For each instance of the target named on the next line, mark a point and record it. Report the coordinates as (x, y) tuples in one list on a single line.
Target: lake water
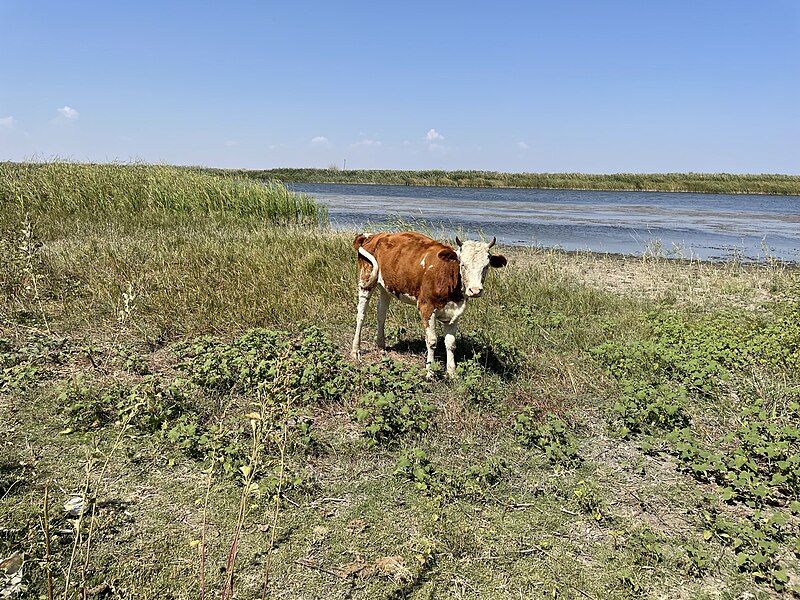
[(688, 225)]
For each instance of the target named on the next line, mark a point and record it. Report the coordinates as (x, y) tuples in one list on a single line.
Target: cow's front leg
[(363, 302), (450, 330), (429, 323)]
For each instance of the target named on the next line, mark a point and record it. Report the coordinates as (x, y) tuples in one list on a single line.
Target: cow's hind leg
[(429, 324), (383, 306), (364, 295), (450, 330)]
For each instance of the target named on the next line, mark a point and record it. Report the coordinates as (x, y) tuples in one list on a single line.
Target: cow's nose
[(475, 291)]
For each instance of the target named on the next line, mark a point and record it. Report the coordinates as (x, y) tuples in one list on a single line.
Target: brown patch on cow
[(447, 279), (399, 256), (425, 311), (364, 269), (448, 254)]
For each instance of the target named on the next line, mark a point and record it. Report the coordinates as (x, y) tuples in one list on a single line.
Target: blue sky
[(590, 86)]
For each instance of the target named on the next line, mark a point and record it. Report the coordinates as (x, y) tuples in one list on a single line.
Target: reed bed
[(56, 191), (714, 183)]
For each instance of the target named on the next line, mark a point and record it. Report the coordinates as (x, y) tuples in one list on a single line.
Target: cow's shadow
[(497, 358)]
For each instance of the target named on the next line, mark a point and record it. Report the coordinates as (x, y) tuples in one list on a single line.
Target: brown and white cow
[(417, 270)]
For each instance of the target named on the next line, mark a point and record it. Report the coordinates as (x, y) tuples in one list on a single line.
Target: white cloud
[(320, 140), (231, 143), (433, 136), (368, 142), (6, 122), (68, 113), (523, 146)]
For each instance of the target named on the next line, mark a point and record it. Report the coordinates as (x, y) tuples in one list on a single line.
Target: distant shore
[(706, 183)]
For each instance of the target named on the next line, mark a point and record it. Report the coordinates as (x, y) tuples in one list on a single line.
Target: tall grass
[(57, 191), (717, 183)]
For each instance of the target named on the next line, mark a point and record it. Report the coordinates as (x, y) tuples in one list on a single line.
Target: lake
[(687, 225)]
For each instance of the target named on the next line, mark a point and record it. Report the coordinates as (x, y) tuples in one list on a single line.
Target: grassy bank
[(59, 192), (715, 183), (619, 426)]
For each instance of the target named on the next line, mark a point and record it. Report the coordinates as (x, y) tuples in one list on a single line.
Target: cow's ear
[(497, 260), (447, 254)]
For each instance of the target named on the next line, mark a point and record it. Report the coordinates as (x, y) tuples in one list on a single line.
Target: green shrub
[(645, 408), (645, 360), (414, 466), (473, 482), (393, 403), (492, 354), (549, 434), (757, 462), (153, 403), (759, 544), (702, 353), (227, 444), (90, 405), (262, 360), (646, 548), (386, 417), (698, 559), (474, 385), (391, 376), (22, 365), (476, 480)]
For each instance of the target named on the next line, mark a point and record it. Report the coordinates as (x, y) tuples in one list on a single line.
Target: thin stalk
[(85, 564), (277, 508), (202, 574), (46, 531), (78, 525), (227, 589)]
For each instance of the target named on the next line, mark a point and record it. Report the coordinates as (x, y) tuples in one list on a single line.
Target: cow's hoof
[(355, 355)]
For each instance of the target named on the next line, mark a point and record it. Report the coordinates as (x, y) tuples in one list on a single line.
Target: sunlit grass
[(106, 272), (55, 191)]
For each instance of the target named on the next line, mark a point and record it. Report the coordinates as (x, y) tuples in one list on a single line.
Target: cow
[(432, 276)]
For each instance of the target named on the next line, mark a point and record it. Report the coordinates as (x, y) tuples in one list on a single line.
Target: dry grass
[(113, 290)]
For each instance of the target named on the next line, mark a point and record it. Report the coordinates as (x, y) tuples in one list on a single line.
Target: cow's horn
[(493, 242), (458, 242)]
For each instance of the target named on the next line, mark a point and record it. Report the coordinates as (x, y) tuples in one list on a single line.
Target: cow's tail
[(363, 253)]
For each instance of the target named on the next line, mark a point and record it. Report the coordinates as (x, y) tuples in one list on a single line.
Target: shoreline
[(530, 187), (616, 256)]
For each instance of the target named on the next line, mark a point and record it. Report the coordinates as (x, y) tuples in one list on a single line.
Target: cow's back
[(404, 259)]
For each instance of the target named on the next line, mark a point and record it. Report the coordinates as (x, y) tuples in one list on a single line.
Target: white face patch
[(474, 258)]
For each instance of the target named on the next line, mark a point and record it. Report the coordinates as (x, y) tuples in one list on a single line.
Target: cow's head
[(475, 262)]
